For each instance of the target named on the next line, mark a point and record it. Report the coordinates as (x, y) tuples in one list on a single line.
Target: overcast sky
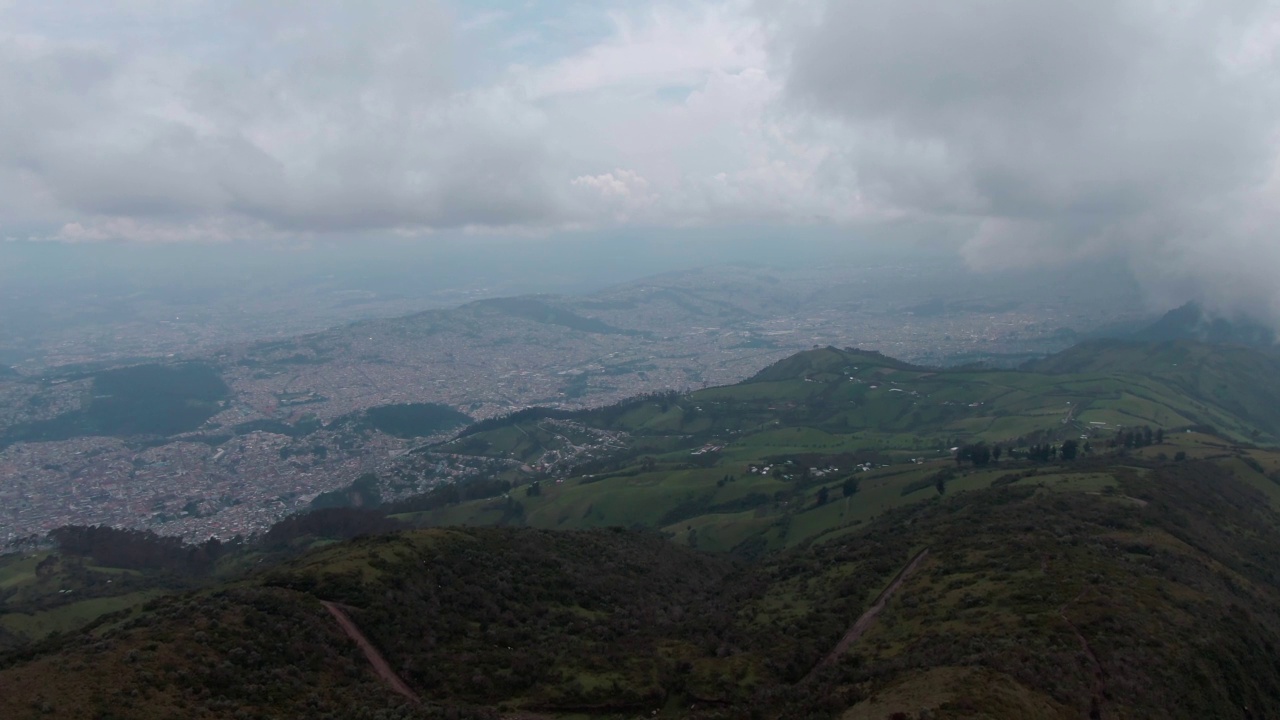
[(1041, 131)]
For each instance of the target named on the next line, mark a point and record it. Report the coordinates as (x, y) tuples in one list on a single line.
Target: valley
[(824, 539), (296, 417)]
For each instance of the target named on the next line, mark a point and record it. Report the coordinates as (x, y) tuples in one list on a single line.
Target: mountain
[(804, 544), (1191, 322)]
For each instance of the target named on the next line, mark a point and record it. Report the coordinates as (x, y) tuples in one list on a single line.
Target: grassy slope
[(837, 408), (67, 595), (1169, 577)]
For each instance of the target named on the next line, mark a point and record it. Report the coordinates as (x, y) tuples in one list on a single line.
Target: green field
[(68, 594), (65, 618), (824, 416)]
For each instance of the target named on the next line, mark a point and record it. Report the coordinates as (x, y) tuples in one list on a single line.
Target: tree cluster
[(1137, 438), (334, 523), (980, 454), (137, 549)]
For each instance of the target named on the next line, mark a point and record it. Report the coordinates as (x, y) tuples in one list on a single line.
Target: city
[(281, 437)]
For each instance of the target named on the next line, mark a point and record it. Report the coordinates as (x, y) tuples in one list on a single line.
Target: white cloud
[(624, 192), (348, 119), (1137, 128), (706, 129), (1053, 131), (335, 119), (657, 46)]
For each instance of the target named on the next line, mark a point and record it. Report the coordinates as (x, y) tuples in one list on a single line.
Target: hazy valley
[(284, 419)]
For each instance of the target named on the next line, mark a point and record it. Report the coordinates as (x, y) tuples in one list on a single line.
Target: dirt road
[(869, 617), (379, 663)]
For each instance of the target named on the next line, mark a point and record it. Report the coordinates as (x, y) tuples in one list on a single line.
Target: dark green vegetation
[(761, 464), (138, 400), (415, 419), (1152, 596), (1075, 568), (362, 492), (155, 400)]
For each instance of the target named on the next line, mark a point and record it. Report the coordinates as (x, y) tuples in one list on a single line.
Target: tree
[(1160, 436), (849, 486), (824, 495), (996, 452), (981, 454), (978, 454), (1069, 449)]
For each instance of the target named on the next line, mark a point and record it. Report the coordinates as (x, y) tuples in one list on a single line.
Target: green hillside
[(1152, 596), (1229, 387), (804, 544), (752, 463)]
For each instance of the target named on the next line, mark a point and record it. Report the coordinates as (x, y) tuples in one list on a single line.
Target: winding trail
[(378, 662), (869, 617)]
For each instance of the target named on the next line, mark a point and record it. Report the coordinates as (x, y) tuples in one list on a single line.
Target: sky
[(1027, 134)]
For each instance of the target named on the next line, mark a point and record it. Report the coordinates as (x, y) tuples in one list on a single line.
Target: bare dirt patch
[(378, 662)]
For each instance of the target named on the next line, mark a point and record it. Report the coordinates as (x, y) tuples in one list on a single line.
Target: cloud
[(1056, 130), (689, 98), (658, 46), (211, 119), (151, 120), (1042, 132), (302, 117), (625, 191)]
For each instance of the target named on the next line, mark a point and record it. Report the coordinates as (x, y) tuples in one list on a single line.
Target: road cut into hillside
[(378, 662), (868, 618)]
